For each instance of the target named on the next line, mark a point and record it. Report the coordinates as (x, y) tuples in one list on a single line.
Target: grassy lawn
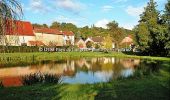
[(9, 59), (153, 87)]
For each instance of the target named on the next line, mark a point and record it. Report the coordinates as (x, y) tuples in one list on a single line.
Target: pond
[(83, 70)]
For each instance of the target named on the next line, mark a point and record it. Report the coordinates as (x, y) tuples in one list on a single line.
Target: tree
[(10, 10), (115, 32), (45, 25), (55, 25), (89, 44), (150, 34), (165, 22), (40, 25), (108, 42)]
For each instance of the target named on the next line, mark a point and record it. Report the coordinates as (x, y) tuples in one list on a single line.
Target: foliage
[(89, 44), (39, 25), (108, 42), (115, 32), (152, 36), (39, 77), (10, 10)]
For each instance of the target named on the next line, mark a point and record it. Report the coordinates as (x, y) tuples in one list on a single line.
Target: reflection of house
[(50, 37), (18, 33), (68, 37)]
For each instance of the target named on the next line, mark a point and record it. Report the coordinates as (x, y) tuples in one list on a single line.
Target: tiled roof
[(47, 30), (22, 28), (97, 39), (68, 33)]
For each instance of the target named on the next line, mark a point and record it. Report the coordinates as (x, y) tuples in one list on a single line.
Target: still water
[(83, 70)]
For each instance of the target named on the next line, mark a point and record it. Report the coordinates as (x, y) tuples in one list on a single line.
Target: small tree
[(89, 44), (108, 42)]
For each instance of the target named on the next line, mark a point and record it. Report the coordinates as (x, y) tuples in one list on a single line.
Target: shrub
[(40, 78)]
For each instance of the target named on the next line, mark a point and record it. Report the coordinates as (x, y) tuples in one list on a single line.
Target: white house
[(68, 37), (50, 37), (17, 33)]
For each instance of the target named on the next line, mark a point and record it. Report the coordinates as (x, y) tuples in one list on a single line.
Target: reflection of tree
[(147, 67)]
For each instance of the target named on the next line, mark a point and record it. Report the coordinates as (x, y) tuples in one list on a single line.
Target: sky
[(86, 12)]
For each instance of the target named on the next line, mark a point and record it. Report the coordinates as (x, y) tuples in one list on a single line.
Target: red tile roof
[(97, 39), (22, 28), (47, 30), (68, 33)]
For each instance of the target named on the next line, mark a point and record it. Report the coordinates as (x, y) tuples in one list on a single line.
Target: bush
[(12, 49), (40, 78)]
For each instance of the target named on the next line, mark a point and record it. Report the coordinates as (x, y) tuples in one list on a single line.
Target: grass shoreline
[(14, 59), (53, 55)]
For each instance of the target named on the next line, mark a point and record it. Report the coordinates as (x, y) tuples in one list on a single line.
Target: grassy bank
[(35, 57), (154, 87)]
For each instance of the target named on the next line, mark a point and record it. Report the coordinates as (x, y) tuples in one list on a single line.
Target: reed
[(40, 78)]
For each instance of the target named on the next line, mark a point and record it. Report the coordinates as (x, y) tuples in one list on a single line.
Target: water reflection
[(84, 70)]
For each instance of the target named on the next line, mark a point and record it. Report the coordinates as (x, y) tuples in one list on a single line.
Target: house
[(50, 37), (127, 42), (97, 42), (68, 37), (80, 43), (17, 33)]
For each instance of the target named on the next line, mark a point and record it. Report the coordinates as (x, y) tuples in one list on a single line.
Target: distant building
[(98, 41), (17, 33), (68, 37), (80, 43), (50, 37)]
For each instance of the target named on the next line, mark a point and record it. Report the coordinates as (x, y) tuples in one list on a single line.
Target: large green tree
[(150, 33), (165, 22)]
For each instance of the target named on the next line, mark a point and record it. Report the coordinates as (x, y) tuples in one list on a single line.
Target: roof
[(68, 33), (78, 40), (127, 39), (97, 39), (16, 27), (47, 30)]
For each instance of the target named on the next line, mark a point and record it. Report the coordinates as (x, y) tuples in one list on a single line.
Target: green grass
[(154, 87), (10, 59)]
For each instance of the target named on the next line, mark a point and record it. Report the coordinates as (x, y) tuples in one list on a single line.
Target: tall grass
[(40, 78)]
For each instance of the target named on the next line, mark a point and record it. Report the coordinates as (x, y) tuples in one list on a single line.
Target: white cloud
[(107, 8), (118, 1), (70, 5), (128, 25), (37, 6), (134, 11), (61, 19), (102, 23)]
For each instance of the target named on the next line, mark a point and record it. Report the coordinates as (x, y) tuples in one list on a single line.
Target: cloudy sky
[(86, 12)]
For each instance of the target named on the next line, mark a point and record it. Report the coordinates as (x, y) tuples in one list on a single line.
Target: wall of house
[(81, 42), (113, 45), (71, 38), (13, 40), (47, 38), (26, 39)]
